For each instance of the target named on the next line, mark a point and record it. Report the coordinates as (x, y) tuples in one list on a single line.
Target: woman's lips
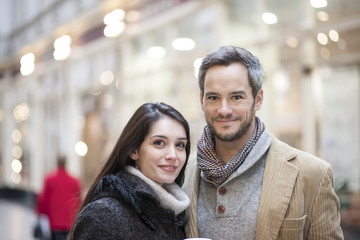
[(169, 168)]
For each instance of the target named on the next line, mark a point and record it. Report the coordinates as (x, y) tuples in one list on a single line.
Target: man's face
[(228, 103)]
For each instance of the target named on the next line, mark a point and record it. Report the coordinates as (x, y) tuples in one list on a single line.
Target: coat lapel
[(191, 187), (278, 183)]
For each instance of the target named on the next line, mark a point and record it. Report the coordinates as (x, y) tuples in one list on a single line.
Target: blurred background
[(73, 71)]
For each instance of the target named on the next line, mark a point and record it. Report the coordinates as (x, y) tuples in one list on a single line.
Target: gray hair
[(227, 55)]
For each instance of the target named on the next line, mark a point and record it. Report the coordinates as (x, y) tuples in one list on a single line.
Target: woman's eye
[(159, 143), (181, 145)]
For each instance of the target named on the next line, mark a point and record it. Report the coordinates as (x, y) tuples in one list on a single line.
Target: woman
[(137, 193)]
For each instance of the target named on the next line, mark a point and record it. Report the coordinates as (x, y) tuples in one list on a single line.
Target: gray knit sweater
[(229, 211)]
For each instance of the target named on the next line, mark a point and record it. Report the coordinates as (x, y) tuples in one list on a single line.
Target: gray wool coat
[(125, 207)]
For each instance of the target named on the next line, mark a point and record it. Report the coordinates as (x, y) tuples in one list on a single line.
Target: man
[(243, 182), (60, 200)]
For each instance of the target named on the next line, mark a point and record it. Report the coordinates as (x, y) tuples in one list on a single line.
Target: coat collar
[(278, 183)]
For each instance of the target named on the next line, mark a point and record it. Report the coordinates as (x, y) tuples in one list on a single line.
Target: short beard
[(235, 136), (231, 137)]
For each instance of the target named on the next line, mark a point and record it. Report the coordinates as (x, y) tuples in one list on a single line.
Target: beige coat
[(297, 199)]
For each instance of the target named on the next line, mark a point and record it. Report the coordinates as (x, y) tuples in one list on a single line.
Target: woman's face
[(162, 154)]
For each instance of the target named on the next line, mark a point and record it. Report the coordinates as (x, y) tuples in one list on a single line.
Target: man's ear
[(258, 100), (134, 155)]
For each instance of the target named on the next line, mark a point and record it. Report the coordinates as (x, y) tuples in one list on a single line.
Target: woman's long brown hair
[(131, 138)]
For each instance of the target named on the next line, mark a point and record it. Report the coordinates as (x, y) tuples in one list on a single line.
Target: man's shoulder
[(192, 174), (300, 158), (193, 155), (311, 169), (191, 165)]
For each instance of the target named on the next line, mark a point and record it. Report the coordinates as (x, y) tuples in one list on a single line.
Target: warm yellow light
[(114, 24), (17, 152), (27, 58), (107, 77), (292, 42), (62, 54), (27, 69), (81, 148), (322, 38), (114, 16), (334, 35), (114, 29), (21, 112), (269, 18), (62, 47), (322, 16), (27, 63), (64, 40), (156, 52), (318, 3), (1, 115), (16, 166), (183, 44), (16, 136)]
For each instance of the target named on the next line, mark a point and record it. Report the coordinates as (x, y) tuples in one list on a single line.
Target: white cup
[(197, 239)]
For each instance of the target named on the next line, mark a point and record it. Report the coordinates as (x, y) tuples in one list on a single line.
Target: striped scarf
[(215, 169)]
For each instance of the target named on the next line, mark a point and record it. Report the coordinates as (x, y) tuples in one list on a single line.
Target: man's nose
[(225, 108)]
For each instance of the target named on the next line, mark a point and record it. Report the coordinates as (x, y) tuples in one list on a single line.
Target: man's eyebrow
[(211, 93), (238, 92), (231, 93)]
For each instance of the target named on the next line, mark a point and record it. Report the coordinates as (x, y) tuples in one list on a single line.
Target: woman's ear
[(134, 155)]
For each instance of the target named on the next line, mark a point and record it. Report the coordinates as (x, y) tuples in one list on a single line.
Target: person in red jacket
[(60, 200)]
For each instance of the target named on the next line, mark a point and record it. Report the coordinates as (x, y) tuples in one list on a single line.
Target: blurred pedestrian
[(243, 182), (137, 193), (60, 200)]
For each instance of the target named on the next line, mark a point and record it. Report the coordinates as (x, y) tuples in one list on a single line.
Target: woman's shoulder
[(101, 208), (102, 219)]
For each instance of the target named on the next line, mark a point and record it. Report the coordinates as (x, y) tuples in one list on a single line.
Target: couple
[(241, 183)]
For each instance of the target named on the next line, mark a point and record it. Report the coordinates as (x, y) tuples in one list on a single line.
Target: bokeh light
[(81, 148), (16, 165), (16, 136)]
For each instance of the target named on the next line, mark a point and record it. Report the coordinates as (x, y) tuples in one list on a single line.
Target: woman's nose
[(171, 153)]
